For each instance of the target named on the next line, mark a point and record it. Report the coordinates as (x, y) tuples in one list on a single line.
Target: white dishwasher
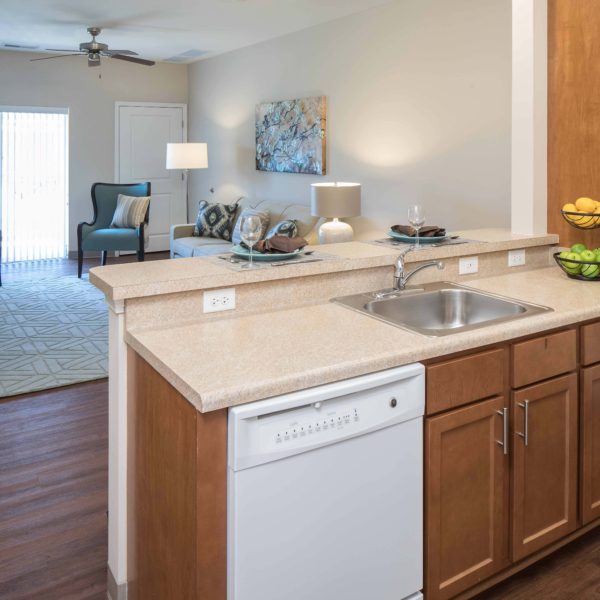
[(325, 491)]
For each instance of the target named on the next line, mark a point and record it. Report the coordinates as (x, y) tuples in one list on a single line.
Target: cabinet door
[(590, 444), (544, 474), (466, 498)]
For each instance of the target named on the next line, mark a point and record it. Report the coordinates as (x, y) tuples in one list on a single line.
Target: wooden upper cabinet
[(457, 382), (544, 473), (590, 444), (466, 498), (590, 344), (544, 357)]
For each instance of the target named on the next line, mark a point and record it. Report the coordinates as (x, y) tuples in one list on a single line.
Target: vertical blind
[(34, 190)]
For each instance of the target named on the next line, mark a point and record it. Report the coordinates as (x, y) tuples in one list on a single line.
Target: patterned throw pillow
[(264, 216), (287, 228), (215, 220), (130, 211)]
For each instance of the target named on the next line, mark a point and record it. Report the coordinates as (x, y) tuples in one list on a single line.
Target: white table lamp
[(335, 201), (186, 156)]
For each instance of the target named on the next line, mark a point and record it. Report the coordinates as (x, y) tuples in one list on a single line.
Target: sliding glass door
[(34, 183)]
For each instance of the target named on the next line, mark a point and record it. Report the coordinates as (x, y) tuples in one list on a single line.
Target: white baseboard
[(114, 591)]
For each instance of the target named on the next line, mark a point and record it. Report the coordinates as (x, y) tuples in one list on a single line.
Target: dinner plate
[(245, 253), (407, 239)]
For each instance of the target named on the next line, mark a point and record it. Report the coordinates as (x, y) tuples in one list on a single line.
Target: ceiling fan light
[(93, 60)]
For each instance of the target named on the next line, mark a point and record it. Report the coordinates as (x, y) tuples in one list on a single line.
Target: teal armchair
[(99, 236)]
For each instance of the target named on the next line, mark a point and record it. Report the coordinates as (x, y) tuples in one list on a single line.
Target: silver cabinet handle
[(504, 443), (525, 434)]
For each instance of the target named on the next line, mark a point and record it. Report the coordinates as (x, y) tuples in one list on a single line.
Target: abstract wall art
[(290, 136)]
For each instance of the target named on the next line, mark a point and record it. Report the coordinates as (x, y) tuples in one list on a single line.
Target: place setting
[(418, 235), (277, 251)]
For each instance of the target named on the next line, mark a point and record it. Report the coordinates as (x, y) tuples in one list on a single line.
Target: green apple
[(570, 267), (588, 255), (578, 248), (590, 271), (597, 253)]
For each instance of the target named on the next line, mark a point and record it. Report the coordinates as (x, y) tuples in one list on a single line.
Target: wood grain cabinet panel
[(590, 344), (544, 473), (466, 499), (590, 444), (544, 357), (177, 493), (457, 382)]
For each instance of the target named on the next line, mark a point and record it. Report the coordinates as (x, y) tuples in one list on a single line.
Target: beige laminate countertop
[(222, 363), (151, 278)]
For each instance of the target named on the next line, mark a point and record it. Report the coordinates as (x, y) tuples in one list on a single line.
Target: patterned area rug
[(53, 332)]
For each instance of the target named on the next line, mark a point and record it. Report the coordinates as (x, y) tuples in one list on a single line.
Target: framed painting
[(290, 136)]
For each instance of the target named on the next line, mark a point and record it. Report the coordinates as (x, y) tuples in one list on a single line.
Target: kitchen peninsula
[(177, 370)]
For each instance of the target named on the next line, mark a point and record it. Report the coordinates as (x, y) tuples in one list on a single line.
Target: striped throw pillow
[(130, 211)]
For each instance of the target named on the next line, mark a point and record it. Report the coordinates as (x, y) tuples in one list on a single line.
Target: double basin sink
[(441, 308)]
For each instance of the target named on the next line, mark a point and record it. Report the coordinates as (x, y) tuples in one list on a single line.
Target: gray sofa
[(184, 244)]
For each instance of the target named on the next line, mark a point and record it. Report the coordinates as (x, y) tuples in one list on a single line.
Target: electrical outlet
[(516, 258), (217, 300), (468, 265)]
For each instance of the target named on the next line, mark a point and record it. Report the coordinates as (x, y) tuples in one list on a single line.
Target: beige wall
[(419, 111), (70, 83)]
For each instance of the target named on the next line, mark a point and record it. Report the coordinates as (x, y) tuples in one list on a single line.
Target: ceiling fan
[(95, 50)]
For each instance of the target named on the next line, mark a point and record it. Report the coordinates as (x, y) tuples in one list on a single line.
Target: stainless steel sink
[(441, 308)]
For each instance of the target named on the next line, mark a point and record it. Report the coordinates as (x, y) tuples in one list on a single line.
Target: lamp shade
[(187, 156), (335, 200)]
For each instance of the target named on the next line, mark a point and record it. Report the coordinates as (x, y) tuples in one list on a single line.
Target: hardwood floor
[(53, 501), (571, 573), (54, 478)]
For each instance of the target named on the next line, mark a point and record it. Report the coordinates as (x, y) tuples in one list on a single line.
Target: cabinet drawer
[(544, 357), (590, 344), (466, 379)]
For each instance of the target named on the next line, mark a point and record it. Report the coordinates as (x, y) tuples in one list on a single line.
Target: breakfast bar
[(284, 335)]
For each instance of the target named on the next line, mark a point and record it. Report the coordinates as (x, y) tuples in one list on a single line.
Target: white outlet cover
[(468, 265), (219, 300), (516, 258)]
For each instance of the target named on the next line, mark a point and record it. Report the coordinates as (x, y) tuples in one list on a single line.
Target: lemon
[(569, 208), (585, 205)]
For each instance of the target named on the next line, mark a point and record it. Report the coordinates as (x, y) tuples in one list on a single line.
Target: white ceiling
[(162, 29)]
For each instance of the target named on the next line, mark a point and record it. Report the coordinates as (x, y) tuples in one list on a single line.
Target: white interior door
[(142, 136)]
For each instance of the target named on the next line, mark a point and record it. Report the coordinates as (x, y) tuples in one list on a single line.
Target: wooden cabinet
[(590, 444), (177, 492), (486, 510), (544, 470), (590, 344), (544, 357), (466, 500), (457, 382)]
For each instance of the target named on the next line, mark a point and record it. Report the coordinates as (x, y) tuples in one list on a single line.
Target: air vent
[(187, 56), (19, 47)]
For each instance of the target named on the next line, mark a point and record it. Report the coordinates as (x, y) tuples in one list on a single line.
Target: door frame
[(120, 103)]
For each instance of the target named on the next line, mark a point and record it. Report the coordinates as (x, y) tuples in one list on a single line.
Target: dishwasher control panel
[(302, 421), (331, 420)]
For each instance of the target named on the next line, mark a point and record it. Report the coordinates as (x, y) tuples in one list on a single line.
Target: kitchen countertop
[(226, 362), (137, 280)]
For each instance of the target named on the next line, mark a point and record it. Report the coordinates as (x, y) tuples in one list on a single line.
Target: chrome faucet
[(401, 278)]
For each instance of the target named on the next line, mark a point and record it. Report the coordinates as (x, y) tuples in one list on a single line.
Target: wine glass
[(250, 232), (416, 217)]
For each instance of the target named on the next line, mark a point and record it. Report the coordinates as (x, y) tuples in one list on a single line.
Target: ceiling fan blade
[(133, 59), (125, 52), (50, 57), (62, 50)]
